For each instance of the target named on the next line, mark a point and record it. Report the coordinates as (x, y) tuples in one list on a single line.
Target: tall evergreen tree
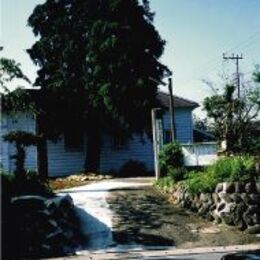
[(95, 58)]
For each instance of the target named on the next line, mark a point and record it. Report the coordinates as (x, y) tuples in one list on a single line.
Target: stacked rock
[(236, 204), (42, 227)]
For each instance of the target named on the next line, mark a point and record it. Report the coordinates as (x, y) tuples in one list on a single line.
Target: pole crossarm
[(236, 58)]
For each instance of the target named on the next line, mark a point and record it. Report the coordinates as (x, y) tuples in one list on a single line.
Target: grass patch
[(227, 169)]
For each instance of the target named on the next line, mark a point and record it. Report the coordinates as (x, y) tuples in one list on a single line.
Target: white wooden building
[(65, 158)]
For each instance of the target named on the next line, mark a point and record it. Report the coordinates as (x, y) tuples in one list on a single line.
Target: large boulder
[(229, 187), (254, 229), (251, 187), (43, 227), (219, 187), (28, 203)]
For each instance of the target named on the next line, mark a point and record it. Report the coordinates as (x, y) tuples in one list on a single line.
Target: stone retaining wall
[(234, 204)]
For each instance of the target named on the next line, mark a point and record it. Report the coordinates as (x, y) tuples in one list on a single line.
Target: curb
[(137, 254)]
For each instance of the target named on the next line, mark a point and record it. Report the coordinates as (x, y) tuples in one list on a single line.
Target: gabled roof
[(163, 99), (202, 136)]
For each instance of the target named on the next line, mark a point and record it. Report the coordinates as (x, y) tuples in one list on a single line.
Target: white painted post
[(157, 138)]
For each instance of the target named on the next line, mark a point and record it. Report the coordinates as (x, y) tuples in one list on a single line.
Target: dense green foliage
[(30, 185), (17, 100), (177, 174), (232, 118), (165, 182), (10, 70), (95, 59), (228, 169), (21, 139), (173, 176), (170, 157)]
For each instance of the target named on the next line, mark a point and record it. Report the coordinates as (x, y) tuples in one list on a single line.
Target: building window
[(119, 142), (73, 140)]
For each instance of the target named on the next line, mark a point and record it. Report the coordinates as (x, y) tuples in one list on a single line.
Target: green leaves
[(10, 70), (17, 100), (227, 169), (96, 56), (232, 118), (21, 137), (170, 157)]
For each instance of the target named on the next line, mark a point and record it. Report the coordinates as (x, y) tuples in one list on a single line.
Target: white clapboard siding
[(112, 158), (62, 161), (184, 125), (4, 152), (23, 122)]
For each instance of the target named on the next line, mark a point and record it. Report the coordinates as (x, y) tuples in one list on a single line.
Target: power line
[(212, 64)]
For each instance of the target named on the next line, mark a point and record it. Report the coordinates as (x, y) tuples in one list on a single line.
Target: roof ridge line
[(184, 99)]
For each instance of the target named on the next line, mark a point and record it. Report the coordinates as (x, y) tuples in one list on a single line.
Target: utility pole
[(172, 114), (229, 119), (237, 58), (171, 109)]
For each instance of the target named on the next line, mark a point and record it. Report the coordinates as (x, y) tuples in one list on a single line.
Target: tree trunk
[(20, 161), (93, 143), (42, 153)]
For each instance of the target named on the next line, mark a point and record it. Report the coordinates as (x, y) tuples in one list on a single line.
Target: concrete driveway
[(94, 212), (98, 226)]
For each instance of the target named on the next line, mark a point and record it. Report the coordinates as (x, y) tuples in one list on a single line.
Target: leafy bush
[(171, 156), (198, 182), (176, 174), (133, 168), (235, 168), (30, 185), (240, 168), (21, 139), (165, 182)]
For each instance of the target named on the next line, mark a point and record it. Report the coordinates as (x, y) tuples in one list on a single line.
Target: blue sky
[(197, 32)]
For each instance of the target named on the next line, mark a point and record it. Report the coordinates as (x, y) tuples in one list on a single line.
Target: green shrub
[(165, 182), (21, 139), (176, 174), (198, 182), (133, 168), (171, 156), (240, 168), (30, 185)]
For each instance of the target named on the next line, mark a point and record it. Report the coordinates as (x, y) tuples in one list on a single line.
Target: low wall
[(200, 154), (234, 204)]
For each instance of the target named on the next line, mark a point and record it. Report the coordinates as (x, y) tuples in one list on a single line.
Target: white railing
[(199, 154)]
